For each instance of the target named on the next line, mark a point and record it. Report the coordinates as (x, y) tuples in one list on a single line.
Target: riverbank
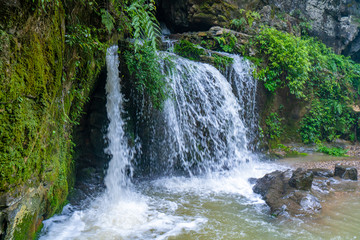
[(320, 160)]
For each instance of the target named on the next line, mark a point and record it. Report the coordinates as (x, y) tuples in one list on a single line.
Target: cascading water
[(245, 86), (119, 170), (205, 129)]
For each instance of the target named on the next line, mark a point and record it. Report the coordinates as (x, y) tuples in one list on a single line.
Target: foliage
[(144, 67), (107, 20), (84, 37), (188, 50), (326, 120), (338, 152), (42, 3), (287, 58), (238, 24), (313, 72), (252, 16), (273, 126), (227, 42), (247, 18), (146, 29), (304, 63)]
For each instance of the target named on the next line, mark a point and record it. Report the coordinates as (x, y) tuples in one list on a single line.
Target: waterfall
[(203, 131), (206, 126), (119, 170), (245, 86)]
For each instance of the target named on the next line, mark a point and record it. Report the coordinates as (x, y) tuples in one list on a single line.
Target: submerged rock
[(346, 172)]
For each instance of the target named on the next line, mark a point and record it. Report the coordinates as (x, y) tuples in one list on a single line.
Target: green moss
[(22, 228)]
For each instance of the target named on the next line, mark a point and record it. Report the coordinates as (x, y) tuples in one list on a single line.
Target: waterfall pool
[(215, 206)]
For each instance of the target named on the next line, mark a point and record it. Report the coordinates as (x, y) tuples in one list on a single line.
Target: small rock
[(301, 179), (346, 172)]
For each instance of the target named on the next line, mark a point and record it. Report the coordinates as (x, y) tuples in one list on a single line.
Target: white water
[(119, 171), (206, 127)]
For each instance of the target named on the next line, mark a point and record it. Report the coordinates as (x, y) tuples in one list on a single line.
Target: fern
[(107, 20), (146, 28)]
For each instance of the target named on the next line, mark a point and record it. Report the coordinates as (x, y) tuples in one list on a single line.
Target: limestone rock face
[(333, 21)]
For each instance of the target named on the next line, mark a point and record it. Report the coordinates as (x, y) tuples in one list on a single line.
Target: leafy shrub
[(144, 24), (338, 152), (248, 18), (326, 120), (287, 61), (273, 126), (144, 67), (84, 37), (107, 20), (227, 42)]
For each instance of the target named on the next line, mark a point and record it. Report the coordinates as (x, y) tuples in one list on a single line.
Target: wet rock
[(301, 179), (252, 180), (346, 172), (286, 193), (321, 172)]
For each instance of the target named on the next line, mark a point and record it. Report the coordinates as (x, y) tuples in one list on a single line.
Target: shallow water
[(215, 206)]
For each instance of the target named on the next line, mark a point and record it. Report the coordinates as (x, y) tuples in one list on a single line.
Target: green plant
[(84, 37), (252, 16), (287, 61), (248, 17), (338, 152), (227, 42), (144, 67), (107, 20), (273, 126), (188, 50), (326, 120), (238, 24), (146, 28)]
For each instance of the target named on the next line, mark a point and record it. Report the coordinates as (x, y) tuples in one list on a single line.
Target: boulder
[(301, 179), (286, 193), (346, 172)]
